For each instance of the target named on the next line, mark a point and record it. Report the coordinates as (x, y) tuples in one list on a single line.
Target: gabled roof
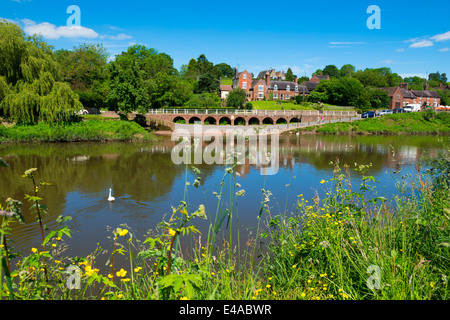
[(426, 93), (310, 85), (282, 85), (226, 87)]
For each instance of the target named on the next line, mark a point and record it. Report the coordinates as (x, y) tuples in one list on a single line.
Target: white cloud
[(420, 75), (422, 44), (388, 61), (50, 31), (400, 50), (120, 36), (441, 37), (444, 49)]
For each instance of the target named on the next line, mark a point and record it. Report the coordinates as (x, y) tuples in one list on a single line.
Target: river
[(146, 183)]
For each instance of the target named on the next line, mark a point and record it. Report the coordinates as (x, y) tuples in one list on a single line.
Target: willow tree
[(30, 86)]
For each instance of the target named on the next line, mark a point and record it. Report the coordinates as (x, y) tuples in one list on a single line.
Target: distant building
[(401, 96), (314, 81), (263, 88)]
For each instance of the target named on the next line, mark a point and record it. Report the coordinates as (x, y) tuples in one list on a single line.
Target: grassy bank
[(346, 243), (285, 105), (91, 130), (404, 123)]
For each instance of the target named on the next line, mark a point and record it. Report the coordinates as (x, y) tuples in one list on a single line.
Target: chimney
[(295, 79), (404, 85), (220, 80), (267, 76)]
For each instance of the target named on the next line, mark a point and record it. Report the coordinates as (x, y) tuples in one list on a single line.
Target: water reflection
[(146, 183)]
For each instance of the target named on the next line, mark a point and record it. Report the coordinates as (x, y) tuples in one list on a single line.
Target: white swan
[(110, 198)]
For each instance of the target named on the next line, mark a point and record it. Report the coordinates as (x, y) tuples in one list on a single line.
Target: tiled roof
[(226, 87), (310, 85)]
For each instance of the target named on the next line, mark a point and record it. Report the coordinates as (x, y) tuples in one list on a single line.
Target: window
[(288, 97), (398, 96), (244, 85), (275, 95), (260, 88), (244, 76), (288, 88), (260, 95), (275, 88), (296, 88)]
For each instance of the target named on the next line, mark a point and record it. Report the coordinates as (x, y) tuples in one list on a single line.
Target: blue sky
[(414, 38)]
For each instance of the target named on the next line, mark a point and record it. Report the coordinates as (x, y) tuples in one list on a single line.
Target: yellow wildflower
[(184, 298), (121, 273), (172, 232), (137, 269), (34, 250)]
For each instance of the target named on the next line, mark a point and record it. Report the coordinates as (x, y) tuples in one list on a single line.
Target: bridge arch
[(193, 120), (179, 120), (225, 120), (254, 121), (294, 120), (210, 120), (267, 120), (239, 121), (281, 121)]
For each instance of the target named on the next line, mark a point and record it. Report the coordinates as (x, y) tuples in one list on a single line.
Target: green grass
[(91, 130), (285, 105), (404, 123), (347, 244)]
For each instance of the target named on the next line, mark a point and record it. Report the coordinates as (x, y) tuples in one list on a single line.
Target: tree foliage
[(30, 86), (141, 78), (289, 75), (236, 98), (85, 68)]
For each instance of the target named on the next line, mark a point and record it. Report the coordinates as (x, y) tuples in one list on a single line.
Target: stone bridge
[(244, 117), (170, 117)]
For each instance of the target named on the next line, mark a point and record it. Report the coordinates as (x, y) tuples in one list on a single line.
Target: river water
[(146, 183)]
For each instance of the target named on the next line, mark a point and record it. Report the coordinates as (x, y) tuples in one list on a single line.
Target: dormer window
[(275, 88), (296, 88), (288, 88)]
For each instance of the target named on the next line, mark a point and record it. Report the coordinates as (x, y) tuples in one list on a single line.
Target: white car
[(83, 112), (385, 112)]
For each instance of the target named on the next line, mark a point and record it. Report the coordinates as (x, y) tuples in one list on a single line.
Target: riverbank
[(90, 130), (395, 124)]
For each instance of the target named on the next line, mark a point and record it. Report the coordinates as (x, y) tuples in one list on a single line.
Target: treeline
[(366, 89), (38, 83)]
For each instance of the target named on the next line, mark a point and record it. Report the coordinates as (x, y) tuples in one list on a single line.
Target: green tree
[(140, 79), (224, 70), (347, 70), (208, 82), (236, 98), (436, 76), (30, 86), (371, 78), (85, 68), (204, 100), (302, 79), (289, 75), (379, 99), (332, 71)]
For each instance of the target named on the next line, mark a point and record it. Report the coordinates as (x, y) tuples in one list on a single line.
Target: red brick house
[(401, 96), (317, 78)]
